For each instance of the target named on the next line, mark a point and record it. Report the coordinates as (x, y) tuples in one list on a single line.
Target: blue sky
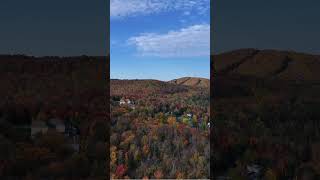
[(159, 39)]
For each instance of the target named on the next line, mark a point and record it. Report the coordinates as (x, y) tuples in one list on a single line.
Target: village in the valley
[(187, 117)]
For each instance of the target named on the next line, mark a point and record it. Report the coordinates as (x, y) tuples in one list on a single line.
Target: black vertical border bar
[(211, 89), (107, 89)]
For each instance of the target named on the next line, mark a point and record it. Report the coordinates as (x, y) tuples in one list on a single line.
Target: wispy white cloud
[(125, 8), (191, 41)]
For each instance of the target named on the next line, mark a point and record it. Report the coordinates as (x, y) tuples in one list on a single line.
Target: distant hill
[(192, 81), (268, 64), (143, 87), (241, 72)]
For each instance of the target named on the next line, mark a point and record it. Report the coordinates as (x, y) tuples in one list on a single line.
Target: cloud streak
[(128, 8), (192, 41)]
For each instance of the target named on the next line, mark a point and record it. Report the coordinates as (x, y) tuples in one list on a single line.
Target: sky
[(159, 39), (54, 27), (78, 27), (266, 24)]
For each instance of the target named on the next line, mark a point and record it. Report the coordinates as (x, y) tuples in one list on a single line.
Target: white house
[(122, 101), (125, 101)]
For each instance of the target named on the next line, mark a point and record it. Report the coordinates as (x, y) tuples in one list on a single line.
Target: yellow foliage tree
[(172, 120), (113, 157)]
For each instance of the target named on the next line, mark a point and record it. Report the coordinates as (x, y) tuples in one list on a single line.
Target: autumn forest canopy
[(265, 114), (159, 129)]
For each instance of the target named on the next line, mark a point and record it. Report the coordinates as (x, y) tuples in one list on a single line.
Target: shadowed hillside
[(269, 64), (280, 72), (266, 114)]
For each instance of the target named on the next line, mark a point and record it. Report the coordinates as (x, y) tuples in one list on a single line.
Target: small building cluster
[(125, 101), (66, 128), (128, 102)]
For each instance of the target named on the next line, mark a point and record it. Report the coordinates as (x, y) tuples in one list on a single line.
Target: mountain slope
[(268, 64), (143, 87), (192, 81), (245, 72)]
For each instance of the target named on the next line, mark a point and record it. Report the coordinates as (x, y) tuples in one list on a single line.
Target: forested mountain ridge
[(266, 114), (192, 81), (148, 86), (281, 72), (268, 64)]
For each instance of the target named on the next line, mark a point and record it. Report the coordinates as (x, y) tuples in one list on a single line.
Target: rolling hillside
[(192, 81), (149, 86), (281, 72), (265, 108), (143, 87), (269, 64)]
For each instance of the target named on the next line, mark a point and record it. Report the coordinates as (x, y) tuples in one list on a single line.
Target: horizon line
[(159, 79), (211, 53)]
